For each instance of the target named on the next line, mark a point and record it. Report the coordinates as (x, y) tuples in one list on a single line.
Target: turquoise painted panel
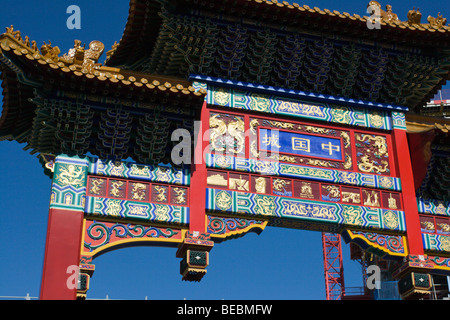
[(149, 212), (299, 108), (249, 204), (435, 242)]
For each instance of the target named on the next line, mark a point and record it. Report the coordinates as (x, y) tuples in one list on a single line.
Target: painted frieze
[(69, 183), (306, 109), (302, 172), (132, 170), (383, 245), (99, 236), (268, 207)]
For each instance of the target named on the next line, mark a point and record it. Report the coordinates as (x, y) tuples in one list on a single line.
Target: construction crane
[(333, 265)]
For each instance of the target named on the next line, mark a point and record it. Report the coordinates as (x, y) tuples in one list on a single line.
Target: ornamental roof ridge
[(83, 62), (146, 17)]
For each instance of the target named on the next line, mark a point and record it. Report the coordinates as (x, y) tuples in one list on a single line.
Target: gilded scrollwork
[(223, 200), (259, 103), (317, 130), (348, 162)]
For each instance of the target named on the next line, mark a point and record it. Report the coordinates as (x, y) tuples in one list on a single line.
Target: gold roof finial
[(414, 16), (438, 22)]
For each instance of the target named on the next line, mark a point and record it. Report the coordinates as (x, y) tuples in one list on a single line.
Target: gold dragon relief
[(352, 215), (259, 102), (180, 197), (391, 220), (227, 136), (265, 205), (373, 153), (70, 175)]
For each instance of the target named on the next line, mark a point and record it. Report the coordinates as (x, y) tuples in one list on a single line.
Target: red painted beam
[(197, 214), (413, 232), (62, 251)]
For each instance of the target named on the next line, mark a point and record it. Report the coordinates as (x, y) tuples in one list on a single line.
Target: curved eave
[(144, 22), (20, 58), (23, 70)]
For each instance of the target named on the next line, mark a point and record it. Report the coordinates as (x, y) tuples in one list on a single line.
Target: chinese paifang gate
[(315, 121)]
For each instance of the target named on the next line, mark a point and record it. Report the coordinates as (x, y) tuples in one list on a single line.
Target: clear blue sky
[(278, 264)]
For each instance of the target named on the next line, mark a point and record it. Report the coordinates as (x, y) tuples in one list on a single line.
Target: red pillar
[(197, 219), (414, 234), (62, 250)]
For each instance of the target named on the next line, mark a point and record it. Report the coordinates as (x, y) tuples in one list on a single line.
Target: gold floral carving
[(392, 203), (279, 184), (372, 199), (319, 163), (316, 130), (306, 190), (376, 119), (341, 114), (346, 138), (259, 103), (260, 185), (348, 162), (351, 196), (284, 125), (445, 243), (428, 225), (113, 208), (239, 184), (445, 227)]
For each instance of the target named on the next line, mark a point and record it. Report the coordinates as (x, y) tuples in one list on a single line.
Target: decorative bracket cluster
[(195, 254)]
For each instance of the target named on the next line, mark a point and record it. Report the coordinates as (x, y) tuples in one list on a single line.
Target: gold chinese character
[(273, 140), (330, 148), (301, 144)]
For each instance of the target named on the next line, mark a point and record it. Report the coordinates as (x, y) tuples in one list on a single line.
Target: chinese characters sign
[(301, 144)]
